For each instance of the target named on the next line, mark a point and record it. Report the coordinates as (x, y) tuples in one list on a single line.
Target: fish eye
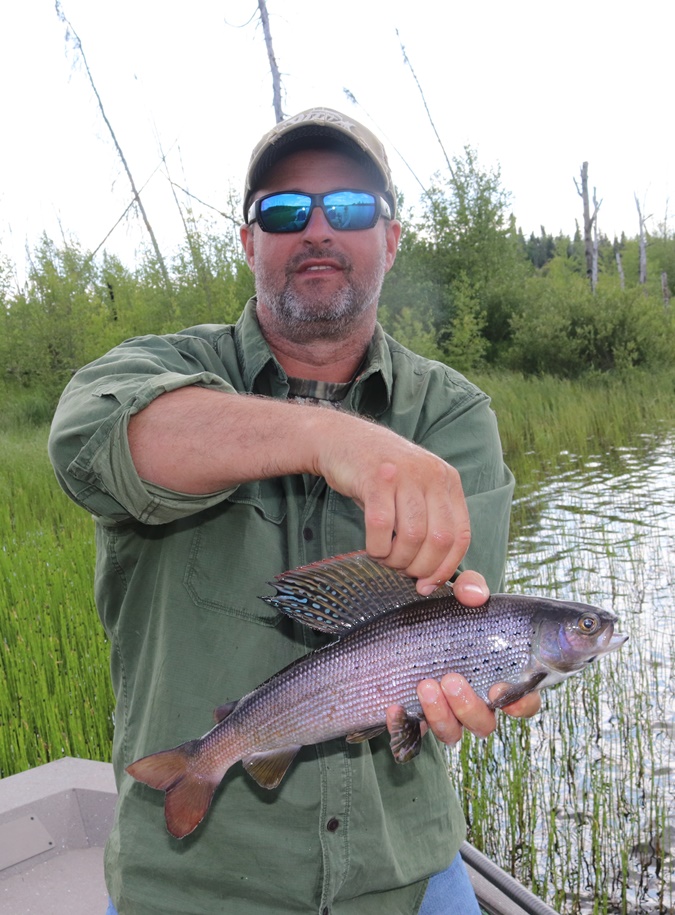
[(588, 624)]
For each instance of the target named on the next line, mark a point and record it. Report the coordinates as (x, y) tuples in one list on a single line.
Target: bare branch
[(276, 77), (352, 98), (431, 121), (72, 35), (643, 242)]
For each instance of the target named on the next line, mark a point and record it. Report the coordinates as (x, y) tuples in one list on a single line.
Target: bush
[(565, 330)]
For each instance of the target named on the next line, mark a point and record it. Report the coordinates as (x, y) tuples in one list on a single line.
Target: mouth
[(314, 267)]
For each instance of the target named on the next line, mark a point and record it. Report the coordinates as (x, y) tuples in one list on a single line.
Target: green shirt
[(348, 831)]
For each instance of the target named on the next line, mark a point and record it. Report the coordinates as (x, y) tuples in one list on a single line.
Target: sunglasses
[(346, 211)]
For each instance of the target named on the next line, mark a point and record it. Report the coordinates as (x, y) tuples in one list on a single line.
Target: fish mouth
[(617, 640)]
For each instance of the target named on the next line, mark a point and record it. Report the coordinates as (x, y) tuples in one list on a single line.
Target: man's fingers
[(379, 512), (438, 715), (467, 707), (471, 589)]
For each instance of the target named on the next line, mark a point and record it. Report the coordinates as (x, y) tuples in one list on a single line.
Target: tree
[(590, 226), (643, 242), (473, 247)]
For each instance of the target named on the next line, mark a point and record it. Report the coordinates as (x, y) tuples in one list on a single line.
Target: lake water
[(598, 764)]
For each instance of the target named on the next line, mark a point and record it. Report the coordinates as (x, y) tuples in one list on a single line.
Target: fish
[(387, 638)]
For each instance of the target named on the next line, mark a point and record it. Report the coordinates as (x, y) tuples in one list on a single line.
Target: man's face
[(319, 283)]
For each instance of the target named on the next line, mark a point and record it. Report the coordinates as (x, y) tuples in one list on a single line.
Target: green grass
[(542, 417), (55, 695)]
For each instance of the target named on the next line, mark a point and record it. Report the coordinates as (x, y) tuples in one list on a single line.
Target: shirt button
[(308, 533), (332, 824)]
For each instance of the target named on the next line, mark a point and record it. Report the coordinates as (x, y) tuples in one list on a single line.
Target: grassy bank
[(542, 417)]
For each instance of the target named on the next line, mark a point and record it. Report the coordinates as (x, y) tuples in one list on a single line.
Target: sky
[(536, 89)]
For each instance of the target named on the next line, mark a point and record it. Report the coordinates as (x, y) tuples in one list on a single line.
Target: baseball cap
[(319, 127)]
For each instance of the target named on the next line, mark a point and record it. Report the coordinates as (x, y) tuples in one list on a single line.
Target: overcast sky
[(535, 88)]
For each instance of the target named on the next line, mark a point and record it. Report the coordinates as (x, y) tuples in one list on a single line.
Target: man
[(214, 459)]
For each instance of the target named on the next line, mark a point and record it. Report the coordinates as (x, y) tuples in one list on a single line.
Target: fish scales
[(349, 685), (388, 639)]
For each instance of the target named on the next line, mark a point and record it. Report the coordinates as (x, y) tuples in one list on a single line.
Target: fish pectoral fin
[(514, 691), (366, 734), (268, 768), (406, 737)]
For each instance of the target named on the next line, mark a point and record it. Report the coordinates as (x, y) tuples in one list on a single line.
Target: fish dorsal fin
[(339, 594), (269, 768)]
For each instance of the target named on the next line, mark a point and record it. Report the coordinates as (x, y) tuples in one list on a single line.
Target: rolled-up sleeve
[(88, 443)]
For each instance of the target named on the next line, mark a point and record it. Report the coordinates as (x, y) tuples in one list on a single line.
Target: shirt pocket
[(237, 547)]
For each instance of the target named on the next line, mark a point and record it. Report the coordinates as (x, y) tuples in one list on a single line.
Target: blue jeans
[(448, 893)]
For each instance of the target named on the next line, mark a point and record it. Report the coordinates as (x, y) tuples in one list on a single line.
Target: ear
[(246, 236), (393, 235)]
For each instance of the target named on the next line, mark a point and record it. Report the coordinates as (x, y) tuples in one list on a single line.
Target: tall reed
[(541, 417), (55, 695)]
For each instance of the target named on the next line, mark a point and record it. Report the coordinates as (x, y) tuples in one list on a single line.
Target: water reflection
[(602, 530)]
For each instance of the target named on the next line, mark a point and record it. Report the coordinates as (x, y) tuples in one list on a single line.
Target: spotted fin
[(406, 736), (267, 769), (344, 592)]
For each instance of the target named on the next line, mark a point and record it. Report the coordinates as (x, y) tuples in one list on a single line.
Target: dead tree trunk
[(596, 243), (136, 194), (619, 267), (643, 243), (276, 77), (589, 222), (665, 290)]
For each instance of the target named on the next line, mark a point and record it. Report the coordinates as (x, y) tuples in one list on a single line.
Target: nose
[(318, 230)]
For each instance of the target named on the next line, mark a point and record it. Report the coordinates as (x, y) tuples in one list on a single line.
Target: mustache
[(296, 262)]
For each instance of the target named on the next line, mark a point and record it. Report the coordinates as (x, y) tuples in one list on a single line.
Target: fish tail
[(188, 785)]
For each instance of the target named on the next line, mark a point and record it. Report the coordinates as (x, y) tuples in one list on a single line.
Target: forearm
[(195, 440)]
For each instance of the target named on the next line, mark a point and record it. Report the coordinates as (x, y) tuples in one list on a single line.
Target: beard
[(322, 313)]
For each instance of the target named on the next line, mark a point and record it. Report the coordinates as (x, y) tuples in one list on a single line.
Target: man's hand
[(414, 508), (450, 705)]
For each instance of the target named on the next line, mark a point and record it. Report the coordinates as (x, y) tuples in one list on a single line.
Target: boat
[(54, 821)]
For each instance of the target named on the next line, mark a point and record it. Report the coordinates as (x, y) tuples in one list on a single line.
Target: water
[(595, 832)]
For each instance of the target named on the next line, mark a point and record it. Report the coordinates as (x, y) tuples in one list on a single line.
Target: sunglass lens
[(350, 210), (285, 212)]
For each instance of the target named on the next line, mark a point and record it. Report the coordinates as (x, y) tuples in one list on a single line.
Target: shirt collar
[(370, 394)]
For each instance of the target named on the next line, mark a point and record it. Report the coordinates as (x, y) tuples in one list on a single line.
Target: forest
[(468, 288)]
